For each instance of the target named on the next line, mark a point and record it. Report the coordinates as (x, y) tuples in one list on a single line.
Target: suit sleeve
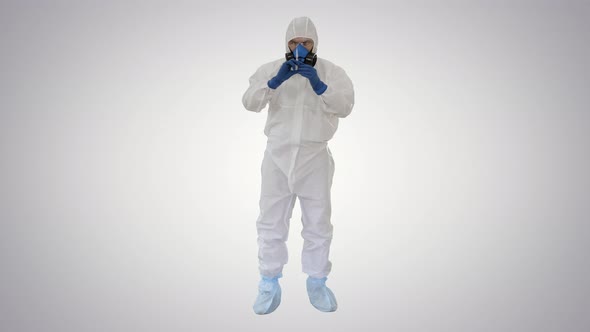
[(258, 94), (339, 96)]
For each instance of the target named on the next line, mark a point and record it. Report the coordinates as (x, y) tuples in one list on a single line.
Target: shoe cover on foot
[(269, 295), (320, 296)]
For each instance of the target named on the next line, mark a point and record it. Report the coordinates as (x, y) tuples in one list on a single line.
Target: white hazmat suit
[(297, 162)]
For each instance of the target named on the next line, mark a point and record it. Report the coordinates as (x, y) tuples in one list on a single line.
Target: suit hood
[(301, 27)]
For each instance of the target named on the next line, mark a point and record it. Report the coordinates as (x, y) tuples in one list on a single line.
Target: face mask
[(300, 52), (303, 55)]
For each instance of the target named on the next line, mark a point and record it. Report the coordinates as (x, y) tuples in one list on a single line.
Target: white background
[(130, 171)]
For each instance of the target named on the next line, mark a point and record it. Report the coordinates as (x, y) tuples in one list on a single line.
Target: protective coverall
[(297, 162)]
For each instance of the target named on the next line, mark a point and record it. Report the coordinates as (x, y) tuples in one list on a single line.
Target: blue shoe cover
[(320, 296), (269, 295)]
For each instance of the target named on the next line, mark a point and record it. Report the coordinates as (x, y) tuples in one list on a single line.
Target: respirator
[(302, 54)]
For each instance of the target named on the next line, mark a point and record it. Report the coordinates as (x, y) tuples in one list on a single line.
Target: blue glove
[(285, 72), (310, 73)]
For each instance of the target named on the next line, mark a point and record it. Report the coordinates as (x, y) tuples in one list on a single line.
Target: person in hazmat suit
[(306, 96)]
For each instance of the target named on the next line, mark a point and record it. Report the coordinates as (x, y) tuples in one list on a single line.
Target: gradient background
[(130, 171)]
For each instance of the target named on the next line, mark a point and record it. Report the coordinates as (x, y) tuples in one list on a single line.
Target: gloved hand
[(311, 73), (284, 74)]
